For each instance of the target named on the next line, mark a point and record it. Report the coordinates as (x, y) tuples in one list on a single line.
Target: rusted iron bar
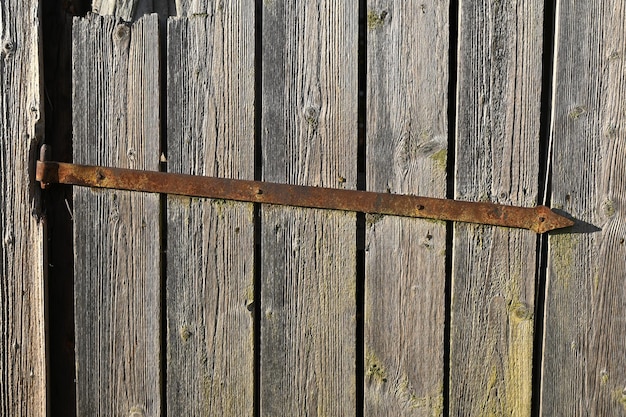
[(539, 219)]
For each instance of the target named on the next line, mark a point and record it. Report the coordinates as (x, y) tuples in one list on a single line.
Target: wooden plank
[(497, 151), (210, 262), (131, 10), (22, 312), (585, 320), (407, 139), (309, 137), (116, 234)]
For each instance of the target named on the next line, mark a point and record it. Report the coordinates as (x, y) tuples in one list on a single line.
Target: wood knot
[(8, 48), (121, 34), (608, 208), (311, 115), (522, 311)]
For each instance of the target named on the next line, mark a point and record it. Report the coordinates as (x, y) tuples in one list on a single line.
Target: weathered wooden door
[(190, 306)]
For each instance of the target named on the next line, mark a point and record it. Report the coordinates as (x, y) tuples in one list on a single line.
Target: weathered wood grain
[(407, 138), (497, 152), (309, 137), (210, 276), (200, 7), (585, 317), (131, 10), (22, 312), (116, 234)]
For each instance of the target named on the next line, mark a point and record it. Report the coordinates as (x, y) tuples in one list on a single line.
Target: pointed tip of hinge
[(548, 220)]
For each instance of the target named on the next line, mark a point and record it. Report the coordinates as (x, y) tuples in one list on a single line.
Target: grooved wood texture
[(497, 151), (309, 137), (585, 314), (22, 312), (116, 233), (407, 140), (210, 281), (130, 10)]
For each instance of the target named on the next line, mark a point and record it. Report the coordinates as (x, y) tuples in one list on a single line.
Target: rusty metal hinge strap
[(539, 219)]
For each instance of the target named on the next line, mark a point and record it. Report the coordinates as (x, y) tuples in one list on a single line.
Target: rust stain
[(539, 219)]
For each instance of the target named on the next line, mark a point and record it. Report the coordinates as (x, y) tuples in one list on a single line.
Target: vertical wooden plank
[(210, 276), (116, 234), (22, 312), (407, 139), (585, 319), (498, 108), (131, 10), (135, 9), (309, 136)]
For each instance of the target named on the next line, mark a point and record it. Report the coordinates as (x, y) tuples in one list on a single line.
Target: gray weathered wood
[(407, 136), (134, 9), (585, 321), (309, 126), (200, 7), (493, 271), (116, 234), (210, 281), (130, 10), (22, 318)]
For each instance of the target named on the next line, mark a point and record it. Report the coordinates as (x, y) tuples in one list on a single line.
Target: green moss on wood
[(620, 397), (406, 394), (440, 158), (372, 219), (375, 20), (374, 369), (604, 377), (185, 333), (563, 253)]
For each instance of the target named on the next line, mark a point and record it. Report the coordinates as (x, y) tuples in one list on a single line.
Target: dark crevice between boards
[(360, 217), (450, 194), (163, 208), (56, 22), (258, 173), (543, 196)]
